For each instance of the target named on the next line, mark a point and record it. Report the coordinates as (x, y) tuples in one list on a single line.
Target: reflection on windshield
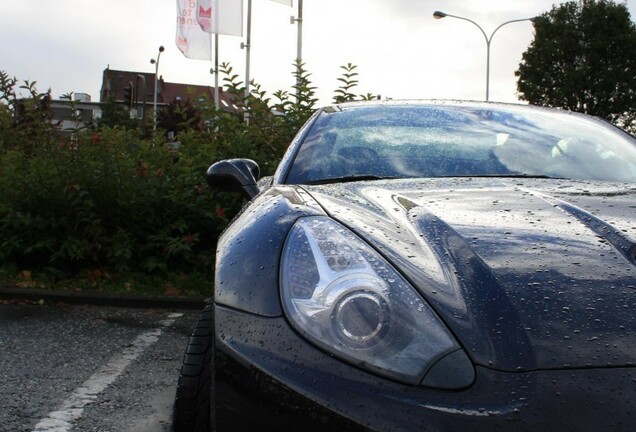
[(462, 140)]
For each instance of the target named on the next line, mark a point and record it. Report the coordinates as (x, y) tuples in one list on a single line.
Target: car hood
[(528, 274)]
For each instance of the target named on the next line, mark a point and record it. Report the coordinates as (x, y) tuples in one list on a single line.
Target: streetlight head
[(152, 61), (161, 48), (439, 15), (534, 19)]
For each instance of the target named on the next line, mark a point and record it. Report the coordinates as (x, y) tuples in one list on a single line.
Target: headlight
[(346, 298)]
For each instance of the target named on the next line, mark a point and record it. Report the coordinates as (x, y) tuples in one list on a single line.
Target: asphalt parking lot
[(89, 367)]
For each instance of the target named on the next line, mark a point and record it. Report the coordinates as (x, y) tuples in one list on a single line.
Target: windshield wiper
[(527, 176), (363, 177), (350, 178)]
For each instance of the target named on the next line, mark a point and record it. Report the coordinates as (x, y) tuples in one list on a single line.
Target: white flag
[(287, 2), (193, 42), (221, 16)]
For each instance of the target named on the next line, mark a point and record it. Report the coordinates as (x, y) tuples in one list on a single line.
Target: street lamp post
[(154, 105), (440, 15)]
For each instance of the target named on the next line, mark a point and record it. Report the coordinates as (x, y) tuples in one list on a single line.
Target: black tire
[(191, 411)]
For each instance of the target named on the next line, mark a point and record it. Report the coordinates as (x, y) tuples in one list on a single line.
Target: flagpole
[(216, 71), (299, 45), (300, 30), (216, 56), (248, 42)]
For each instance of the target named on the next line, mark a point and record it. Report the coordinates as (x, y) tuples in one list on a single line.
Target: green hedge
[(104, 199)]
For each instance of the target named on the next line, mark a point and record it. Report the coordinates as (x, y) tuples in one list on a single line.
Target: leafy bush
[(105, 200)]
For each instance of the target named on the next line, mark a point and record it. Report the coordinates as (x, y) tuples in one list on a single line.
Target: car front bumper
[(267, 377)]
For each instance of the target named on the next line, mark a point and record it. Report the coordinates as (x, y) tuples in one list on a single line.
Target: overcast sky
[(400, 50)]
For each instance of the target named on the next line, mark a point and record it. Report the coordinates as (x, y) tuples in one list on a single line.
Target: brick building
[(115, 81)]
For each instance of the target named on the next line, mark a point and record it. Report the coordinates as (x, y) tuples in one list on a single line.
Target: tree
[(583, 58), (179, 116), (25, 121), (115, 114)]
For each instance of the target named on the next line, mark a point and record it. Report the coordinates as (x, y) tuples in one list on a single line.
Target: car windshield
[(417, 140)]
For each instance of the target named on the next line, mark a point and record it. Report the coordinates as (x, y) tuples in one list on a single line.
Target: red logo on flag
[(205, 13)]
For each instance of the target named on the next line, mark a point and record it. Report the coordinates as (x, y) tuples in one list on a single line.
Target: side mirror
[(234, 175)]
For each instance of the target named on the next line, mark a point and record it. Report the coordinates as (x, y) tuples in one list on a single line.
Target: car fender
[(248, 252)]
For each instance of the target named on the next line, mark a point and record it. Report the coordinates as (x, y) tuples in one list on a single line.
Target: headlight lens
[(345, 297)]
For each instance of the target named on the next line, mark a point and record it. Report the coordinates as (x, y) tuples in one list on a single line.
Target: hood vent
[(622, 244)]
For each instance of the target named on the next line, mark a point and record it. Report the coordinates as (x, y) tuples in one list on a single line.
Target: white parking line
[(72, 409)]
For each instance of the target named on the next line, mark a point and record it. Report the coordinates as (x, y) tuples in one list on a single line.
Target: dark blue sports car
[(425, 266)]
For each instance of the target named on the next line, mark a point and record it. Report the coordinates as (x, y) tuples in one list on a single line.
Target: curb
[(103, 299)]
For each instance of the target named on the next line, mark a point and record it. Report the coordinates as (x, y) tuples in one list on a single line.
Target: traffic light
[(129, 95)]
